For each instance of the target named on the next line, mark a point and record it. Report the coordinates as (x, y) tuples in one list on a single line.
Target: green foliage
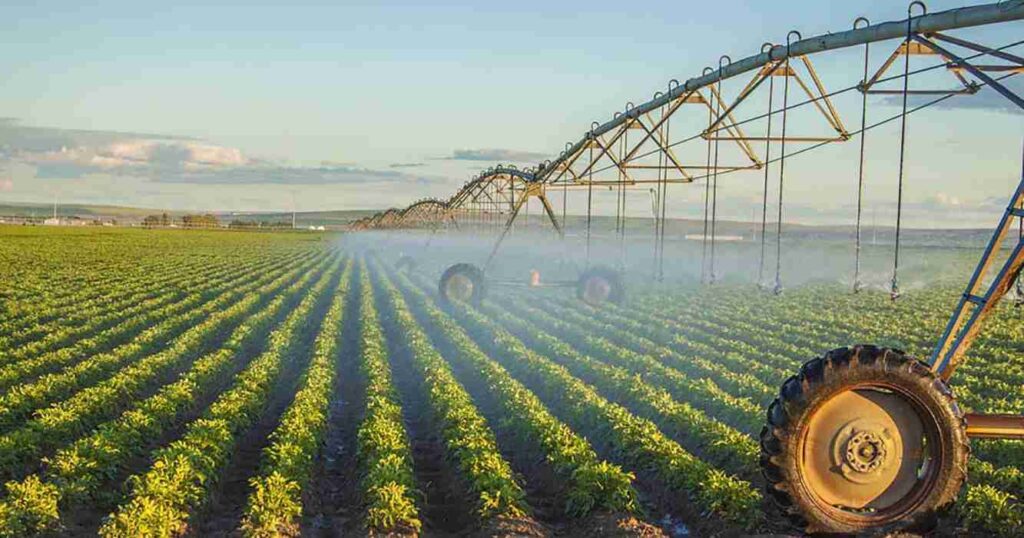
[(164, 497), (671, 386), (987, 509), (276, 502), (593, 483), (62, 420), (274, 506), (469, 441), (385, 456), (33, 506), (638, 440)]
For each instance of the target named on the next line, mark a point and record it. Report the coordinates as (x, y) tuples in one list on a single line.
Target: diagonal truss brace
[(974, 307), (915, 48), (818, 96)]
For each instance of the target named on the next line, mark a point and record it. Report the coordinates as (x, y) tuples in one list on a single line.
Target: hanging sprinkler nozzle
[(894, 289)]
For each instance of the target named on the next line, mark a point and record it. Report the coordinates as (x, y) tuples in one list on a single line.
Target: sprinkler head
[(894, 290)]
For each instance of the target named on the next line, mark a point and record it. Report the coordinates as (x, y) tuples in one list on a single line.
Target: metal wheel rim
[(459, 288), (853, 419), (596, 290)]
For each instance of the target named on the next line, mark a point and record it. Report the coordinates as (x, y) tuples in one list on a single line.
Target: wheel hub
[(459, 288), (596, 290), (863, 450)]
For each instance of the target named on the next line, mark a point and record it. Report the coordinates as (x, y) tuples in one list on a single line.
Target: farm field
[(167, 383)]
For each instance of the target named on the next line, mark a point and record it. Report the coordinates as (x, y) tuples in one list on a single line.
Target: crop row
[(35, 285), (698, 335), (980, 384), (30, 334), (687, 407), (468, 439), (638, 441), (80, 471), (89, 405), (22, 399), (997, 485), (163, 498), (275, 503), (83, 321), (592, 483), (66, 274), (385, 456), (24, 370)]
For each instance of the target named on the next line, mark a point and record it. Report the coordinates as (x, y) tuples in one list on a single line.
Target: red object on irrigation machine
[(864, 438)]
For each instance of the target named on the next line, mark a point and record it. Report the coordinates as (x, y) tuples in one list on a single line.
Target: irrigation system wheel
[(405, 263), (462, 282), (862, 440), (600, 284)]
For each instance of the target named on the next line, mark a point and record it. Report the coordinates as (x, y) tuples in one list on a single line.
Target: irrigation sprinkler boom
[(863, 438)]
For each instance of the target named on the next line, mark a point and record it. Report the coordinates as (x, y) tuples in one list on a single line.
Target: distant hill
[(675, 229), (335, 219), (16, 209)]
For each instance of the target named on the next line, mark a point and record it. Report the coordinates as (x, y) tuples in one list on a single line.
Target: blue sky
[(374, 99)]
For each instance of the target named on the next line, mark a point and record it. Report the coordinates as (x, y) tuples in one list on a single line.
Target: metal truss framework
[(637, 147), (692, 131)]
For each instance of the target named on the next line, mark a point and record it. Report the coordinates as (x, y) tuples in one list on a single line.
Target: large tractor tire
[(462, 282), (600, 284), (864, 440)]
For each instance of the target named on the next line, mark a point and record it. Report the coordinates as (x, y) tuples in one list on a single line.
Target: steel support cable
[(860, 168), (764, 195), (565, 197), (879, 123), (712, 277), (870, 127), (836, 93), (707, 197), (894, 288), (777, 288), (655, 208), (590, 195), (663, 200), (622, 203), (714, 178)]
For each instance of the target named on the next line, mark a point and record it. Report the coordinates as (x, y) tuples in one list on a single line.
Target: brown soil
[(508, 527), (86, 520), (446, 507), (222, 516), (615, 526), (332, 504), (545, 490)]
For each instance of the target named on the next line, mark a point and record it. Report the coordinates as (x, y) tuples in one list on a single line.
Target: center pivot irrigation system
[(864, 437)]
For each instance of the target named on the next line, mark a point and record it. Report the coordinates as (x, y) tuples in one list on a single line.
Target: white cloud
[(174, 160), (942, 199), (497, 155)]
